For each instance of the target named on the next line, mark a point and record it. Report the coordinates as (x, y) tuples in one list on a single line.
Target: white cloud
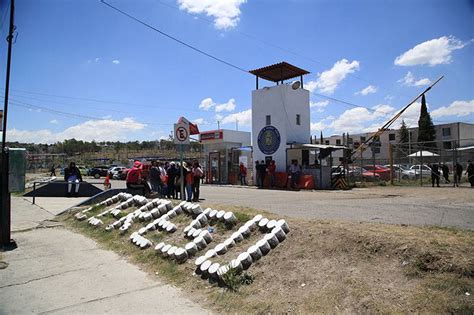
[(456, 108), (227, 107), (361, 119), (200, 121), (207, 104), (329, 80), (389, 98), (412, 114), (432, 52), (218, 117), (410, 80), (322, 124), (319, 106), (318, 126), (224, 12), (98, 130), (116, 61), (356, 119), (368, 90), (97, 59), (244, 118), (54, 121)]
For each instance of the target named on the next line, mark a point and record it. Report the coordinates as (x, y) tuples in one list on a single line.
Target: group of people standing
[(263, 169), (437, 170), (165, 179), (268, 168)]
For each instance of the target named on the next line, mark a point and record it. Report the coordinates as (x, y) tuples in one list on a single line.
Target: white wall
[(282, 103), (242, 137)]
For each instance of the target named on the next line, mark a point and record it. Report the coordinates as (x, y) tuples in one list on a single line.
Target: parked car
[(401, 171), (84, 170), (114, 171), (397, 167), (356, 173), (415, 171), (122, 175), (98, 171), (383, 171)]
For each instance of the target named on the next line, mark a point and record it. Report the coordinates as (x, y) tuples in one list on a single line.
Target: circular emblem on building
[(269, 140)]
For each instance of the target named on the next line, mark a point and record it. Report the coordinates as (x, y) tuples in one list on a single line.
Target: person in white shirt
[(295, 172)]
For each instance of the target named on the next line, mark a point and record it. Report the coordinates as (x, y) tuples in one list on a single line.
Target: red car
[(382, 171), (356, 173)]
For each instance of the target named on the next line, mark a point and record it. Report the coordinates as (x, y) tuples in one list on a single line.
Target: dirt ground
[(422, 206), (331, 267)]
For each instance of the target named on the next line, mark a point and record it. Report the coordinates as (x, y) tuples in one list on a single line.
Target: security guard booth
[(280, 114), (223, 149)]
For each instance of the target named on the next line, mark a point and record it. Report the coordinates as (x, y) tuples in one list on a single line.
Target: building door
[(214, 168)]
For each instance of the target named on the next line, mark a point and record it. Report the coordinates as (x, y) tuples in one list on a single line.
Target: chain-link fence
[(412, 163)]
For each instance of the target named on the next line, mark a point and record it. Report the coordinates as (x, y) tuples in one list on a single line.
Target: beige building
[(448, 136)]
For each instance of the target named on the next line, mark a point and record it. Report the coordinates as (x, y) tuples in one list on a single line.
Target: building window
[(268, 120), (376, 150), (298, 119), (327, 142), (391, 137), (447, 145), (362, 139), (338, 141), (446, 132)]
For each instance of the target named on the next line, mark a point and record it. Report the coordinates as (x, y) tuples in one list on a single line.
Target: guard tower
[(280, 113)]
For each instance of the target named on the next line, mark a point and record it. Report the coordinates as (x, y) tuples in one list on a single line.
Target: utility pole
[(218, 125), (5, 212)]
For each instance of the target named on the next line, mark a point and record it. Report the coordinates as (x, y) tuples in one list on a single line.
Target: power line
[(94, 100), (286, 50), (211, 56), (342, 101), (174, 38), (74, 115)]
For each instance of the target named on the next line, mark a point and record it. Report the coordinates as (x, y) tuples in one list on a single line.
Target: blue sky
[(377, 54)]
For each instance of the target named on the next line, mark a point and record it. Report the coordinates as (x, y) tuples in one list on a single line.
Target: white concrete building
[(280, 114), (223, 152)]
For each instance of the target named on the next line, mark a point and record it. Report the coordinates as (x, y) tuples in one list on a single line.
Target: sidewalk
[(54, 270)]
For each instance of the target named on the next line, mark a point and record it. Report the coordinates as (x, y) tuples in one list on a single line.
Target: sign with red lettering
[(211, 135)]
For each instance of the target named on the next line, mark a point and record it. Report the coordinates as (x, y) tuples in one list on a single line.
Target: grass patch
[(233, 280), (323, 267)]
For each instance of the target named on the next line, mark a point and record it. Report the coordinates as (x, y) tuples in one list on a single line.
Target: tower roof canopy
[(279, 72)]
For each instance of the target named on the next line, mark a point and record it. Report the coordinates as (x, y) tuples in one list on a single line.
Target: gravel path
[(445, 206)]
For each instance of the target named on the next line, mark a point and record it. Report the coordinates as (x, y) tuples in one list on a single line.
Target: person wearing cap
[(134, 178)]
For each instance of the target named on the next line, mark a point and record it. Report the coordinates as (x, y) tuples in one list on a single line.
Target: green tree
[(403, 133), (426, 130)]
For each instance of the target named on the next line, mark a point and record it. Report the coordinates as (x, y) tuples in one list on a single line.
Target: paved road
[(444, 206), (56, 271)]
